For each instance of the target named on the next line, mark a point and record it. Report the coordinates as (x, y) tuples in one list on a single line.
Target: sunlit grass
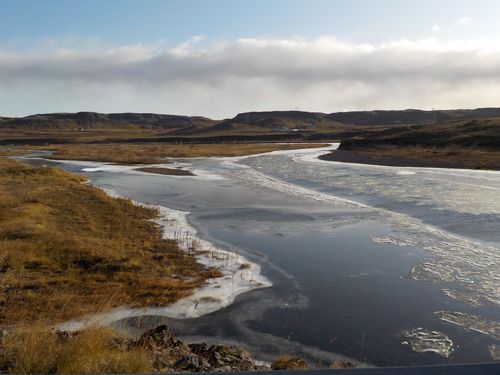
[(463, 157), (65, 245)]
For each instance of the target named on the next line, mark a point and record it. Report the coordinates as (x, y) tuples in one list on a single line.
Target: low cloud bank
[(221, 79)]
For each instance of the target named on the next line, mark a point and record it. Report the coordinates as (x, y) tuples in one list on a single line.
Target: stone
[(287, 363), (342, 364), (158, 337), (192, 363)]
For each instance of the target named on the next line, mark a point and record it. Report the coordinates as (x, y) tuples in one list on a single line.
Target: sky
[(217, 58)]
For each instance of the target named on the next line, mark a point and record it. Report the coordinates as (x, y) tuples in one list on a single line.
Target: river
[(382, 265)]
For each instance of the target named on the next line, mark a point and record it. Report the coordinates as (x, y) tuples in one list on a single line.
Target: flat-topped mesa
[(290, 115), (411, 116), (90, 120)]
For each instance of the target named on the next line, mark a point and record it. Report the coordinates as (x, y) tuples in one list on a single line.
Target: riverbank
[(68, 249), (63, 242), (99, 350), (234, 275), (461, 158)]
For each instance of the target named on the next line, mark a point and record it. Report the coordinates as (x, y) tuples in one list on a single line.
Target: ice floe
[(424, 341), (471, 322), (474, 265), (494, 350), (463, 296)]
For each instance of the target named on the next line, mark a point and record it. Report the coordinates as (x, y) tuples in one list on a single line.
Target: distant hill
[(243, 123), (411, 116), (317, 121), (481, 133), (295, 116), (93, 120)]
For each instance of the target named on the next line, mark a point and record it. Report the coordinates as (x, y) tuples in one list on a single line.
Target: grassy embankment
[(455, 144), (418, 156), (67, 249)]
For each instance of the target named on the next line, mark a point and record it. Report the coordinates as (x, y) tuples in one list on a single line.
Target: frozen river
[(384, 265)]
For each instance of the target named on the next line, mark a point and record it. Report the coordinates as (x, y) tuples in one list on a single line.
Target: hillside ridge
[(270, 120)]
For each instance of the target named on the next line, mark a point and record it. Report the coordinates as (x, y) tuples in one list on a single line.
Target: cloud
[(223, 78), (463, 21)]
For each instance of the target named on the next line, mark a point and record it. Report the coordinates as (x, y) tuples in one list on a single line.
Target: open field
[(67, 249)]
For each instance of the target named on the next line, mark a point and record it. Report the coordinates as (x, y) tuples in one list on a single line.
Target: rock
[(224, 369), (173, 355), (191, 363), (198, 348), (157, 338), (287, 363), (178, 347), (342, 364), (163, 364), (221, 356)]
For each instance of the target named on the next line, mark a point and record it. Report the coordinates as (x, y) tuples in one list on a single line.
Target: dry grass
[(35, 349), (15, 151), (418, 156), (473, 158), (153, 153), (67, 249), (66, 246)]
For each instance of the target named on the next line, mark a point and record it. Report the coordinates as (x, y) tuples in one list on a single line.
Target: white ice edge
[(94, 166), (214, 295)]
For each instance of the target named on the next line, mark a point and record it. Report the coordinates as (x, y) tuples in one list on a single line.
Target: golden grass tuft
[(35, 349)]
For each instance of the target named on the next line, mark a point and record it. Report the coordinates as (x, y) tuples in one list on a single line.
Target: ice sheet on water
[(474, 265), (392, 240), (449, 258), (95, 167), (252, 176), (463, 296), (406, 173), (471, 322), (445, 189), (494, 350), (424, 341)]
